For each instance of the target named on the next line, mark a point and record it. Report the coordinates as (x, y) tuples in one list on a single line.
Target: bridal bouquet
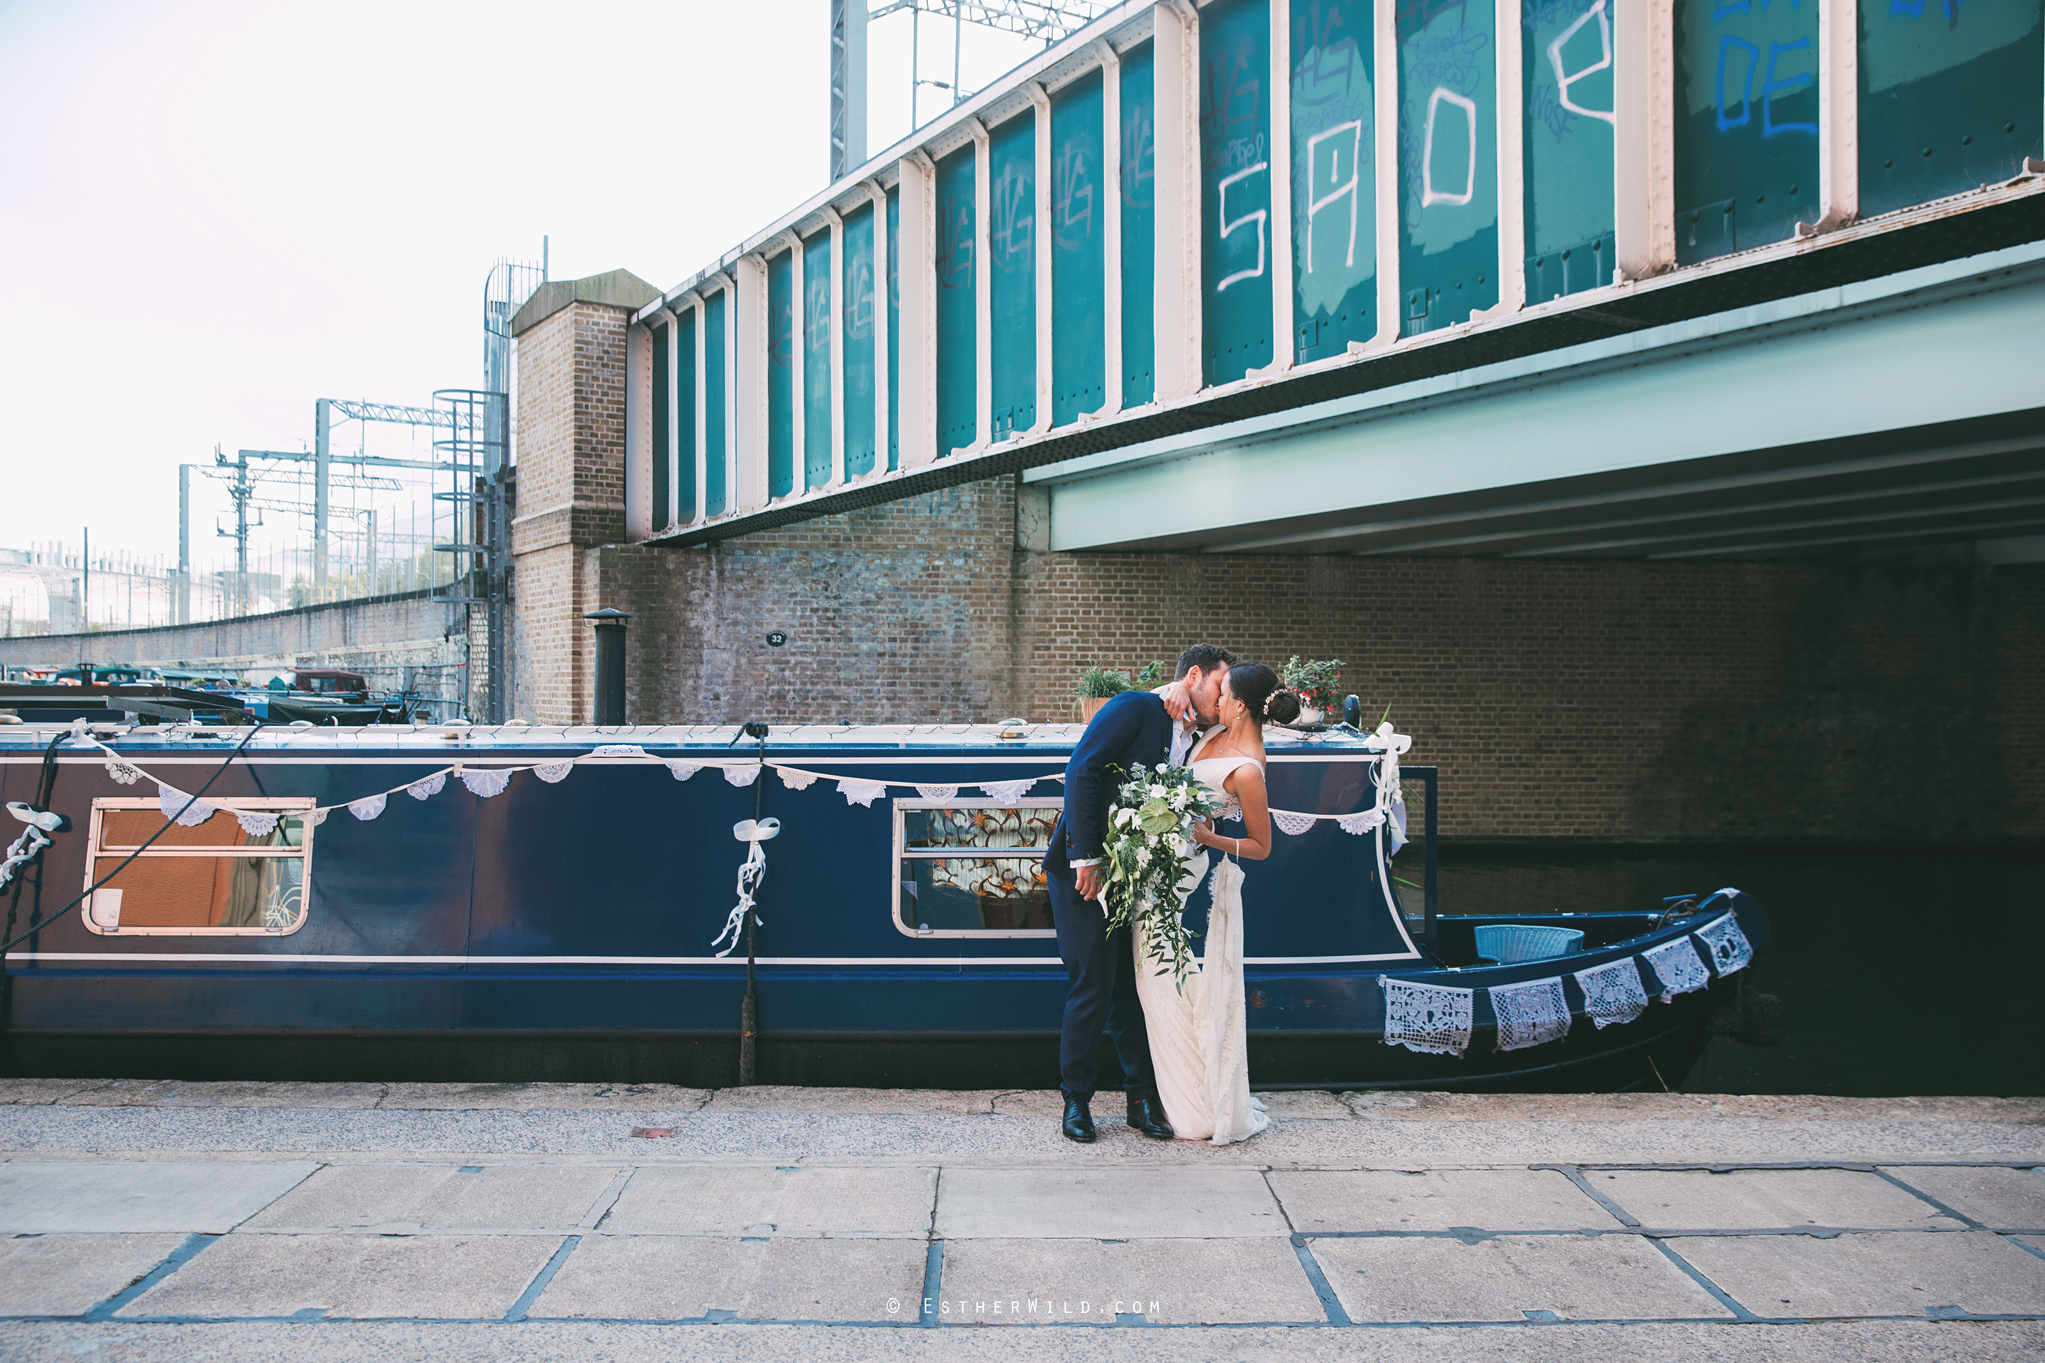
[(1150, 835)]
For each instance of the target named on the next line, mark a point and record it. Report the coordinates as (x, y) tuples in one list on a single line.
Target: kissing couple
[(1183, 1047)]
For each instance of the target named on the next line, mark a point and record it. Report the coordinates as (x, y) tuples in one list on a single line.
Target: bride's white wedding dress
[(1198, 1030)]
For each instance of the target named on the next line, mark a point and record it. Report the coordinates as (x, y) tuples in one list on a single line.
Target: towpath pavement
[(143, 1220)]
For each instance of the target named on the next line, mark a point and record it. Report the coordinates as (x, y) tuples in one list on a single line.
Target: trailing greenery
[(1150, 835), (1318, 684)]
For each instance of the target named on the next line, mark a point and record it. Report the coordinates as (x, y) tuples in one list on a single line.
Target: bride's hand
[(1177, 703)]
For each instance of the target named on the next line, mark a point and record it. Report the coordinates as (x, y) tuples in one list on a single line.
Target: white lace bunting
[(944, 795), (255, 824), (553, 773), (484, 782), (862, 792), (681, 771), (1530, 1014), (742, 776), (796, 780), (1289, 822), (367, 809), (617, 750), (170, 800), (1729, 948), (315, 817), (426, 787), (1677, 966), (121, 771), (1429, 1018), (1008, 793), (1360, 823), (1612, 993)]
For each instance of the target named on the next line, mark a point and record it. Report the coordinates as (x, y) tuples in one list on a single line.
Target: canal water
[(1902, 972)]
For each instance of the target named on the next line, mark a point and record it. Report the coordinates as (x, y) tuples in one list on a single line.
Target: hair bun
[(1282, 707)]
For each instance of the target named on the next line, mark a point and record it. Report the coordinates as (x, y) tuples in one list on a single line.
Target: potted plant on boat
[(1096, 687), (1317, 684)]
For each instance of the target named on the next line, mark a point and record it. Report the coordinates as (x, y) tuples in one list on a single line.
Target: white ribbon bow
[(749, 873)]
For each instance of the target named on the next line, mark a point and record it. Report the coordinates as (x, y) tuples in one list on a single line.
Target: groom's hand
[(1088, 879)]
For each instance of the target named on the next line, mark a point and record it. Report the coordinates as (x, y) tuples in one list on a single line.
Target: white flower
[(1179, 798), (1143, 855)]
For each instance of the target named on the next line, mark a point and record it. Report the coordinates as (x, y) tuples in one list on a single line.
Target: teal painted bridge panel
[(1820, 368)]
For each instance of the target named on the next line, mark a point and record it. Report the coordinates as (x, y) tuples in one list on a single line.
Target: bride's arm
[(1246, 783)]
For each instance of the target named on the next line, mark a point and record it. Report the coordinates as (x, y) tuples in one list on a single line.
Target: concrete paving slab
[(1633, 1107), (544, 1097), (62, 1275), (406, 1197), (774, 1201), (212, 1196), (1308, 1104), (1489, 1199), (347, 1341), (2004, 1199), (1882, 1274), (432, 1276), (1169, 1282), (1750, 1199), (37, 1092), (1106, 1204), (736, 1342), (647, 1277), (872, 1102), (1576, 1277)]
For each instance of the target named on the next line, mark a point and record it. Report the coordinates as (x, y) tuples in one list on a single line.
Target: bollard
[(610, 664)]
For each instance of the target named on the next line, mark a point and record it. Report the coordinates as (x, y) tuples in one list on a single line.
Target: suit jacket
[(1132, 727)]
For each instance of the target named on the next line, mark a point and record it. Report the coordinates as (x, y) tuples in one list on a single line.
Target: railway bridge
[(1668, 365)]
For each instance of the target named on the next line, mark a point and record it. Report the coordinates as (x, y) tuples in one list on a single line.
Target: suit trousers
[(1102, 968)]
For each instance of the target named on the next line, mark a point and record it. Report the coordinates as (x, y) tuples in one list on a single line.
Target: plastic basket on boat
[(1509, 943)]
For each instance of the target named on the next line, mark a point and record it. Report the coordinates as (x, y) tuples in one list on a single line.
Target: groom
[(1133, 727)]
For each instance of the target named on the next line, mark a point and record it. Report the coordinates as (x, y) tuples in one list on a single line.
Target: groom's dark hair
[(1206, 657)]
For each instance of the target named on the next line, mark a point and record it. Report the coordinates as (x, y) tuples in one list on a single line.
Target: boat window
[(241, 872), (973, 868)]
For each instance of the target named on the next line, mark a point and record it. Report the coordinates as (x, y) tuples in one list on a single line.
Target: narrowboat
[(516, 903)]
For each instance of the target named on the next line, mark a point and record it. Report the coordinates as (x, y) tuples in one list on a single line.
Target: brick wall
[(1579, 700), (571, 497)]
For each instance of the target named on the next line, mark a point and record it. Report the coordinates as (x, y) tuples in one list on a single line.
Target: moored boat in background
[(516, 903)]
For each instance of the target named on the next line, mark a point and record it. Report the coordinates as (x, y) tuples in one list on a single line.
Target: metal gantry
[(476, 455)]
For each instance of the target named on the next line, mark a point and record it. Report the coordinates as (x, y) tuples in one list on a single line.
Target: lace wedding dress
[(1198, 1041)]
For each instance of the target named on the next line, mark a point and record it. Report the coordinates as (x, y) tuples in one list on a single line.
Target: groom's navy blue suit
[(1132, 727)]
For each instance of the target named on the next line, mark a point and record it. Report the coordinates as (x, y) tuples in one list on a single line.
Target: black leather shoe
[(1147, 1115), (1079, 1122)]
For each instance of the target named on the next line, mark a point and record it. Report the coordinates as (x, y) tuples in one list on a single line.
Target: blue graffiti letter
[(1726, 43), (1771, 87)]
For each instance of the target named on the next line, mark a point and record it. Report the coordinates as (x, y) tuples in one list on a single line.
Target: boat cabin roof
[(705, 738)]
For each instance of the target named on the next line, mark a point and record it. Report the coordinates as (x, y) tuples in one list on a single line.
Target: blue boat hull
[(561, 932)]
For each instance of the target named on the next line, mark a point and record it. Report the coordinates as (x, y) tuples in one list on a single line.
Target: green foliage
[(1100, 682), (1150, 835), (1151, 675), (1318, 684)]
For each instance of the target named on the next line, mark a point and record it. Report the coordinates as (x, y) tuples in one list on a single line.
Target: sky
[(215, 213)]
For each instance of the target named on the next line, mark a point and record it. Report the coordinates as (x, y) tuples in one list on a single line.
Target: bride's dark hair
[(1256, 686)]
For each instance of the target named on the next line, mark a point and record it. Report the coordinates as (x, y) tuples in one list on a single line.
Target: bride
[(1198, 1043)]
